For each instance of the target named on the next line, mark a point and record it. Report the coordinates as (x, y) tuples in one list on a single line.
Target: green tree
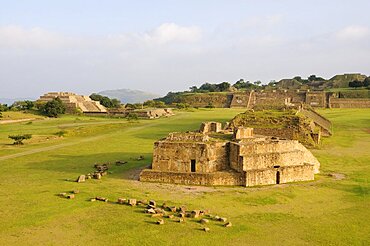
[(53, 108), (106, 101), (367, 82), (18, 139), (356, 84), (132, 117)]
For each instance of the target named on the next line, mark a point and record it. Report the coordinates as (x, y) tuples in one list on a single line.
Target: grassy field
[(327, 211)]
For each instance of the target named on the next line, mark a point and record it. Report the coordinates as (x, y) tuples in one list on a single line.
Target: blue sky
[(160, 46)]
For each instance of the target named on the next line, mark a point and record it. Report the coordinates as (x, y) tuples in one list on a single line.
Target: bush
[(60, 133), (106, 101), (210, 105), (182, 105), (53, 108), (132, 117), (18, 139)]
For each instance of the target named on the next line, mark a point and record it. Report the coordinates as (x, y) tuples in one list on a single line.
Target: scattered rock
[(223, 219), (206, 229), (103, 199), (121, 201), (217, 217), (120, 162), (140, 158), (63, 194), (81, 179), (182, 215), (75, 191), (181, 220), (132, 202), (194, 214), (170, 216), (228, 224), (97, 176), (142, 202), (157, 215), (160, 222), (92, 200), (172, 209), (204, 221), (150, 211), (150, 206), (70, 196), (153, 203)]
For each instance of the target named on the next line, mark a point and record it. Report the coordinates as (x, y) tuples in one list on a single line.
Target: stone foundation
[(215, 178)]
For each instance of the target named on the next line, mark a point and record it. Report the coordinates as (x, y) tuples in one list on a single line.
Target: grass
[(323, 212)]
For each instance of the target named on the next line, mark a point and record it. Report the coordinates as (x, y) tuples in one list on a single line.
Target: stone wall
[(216, 178), (349, 103), (287, 133), (178, 156), (316, 99), (279, 175)]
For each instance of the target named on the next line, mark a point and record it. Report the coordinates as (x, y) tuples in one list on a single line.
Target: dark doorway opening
[(192, 166), (277, 177)]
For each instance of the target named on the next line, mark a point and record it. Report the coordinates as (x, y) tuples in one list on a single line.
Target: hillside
[(341, 81), (129, 96)]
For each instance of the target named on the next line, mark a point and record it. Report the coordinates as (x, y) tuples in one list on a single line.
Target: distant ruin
[(272, 99), (213, 156), (74, 102)]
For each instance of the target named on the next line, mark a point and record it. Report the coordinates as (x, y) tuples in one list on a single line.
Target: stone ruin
[(75, 102), (213, 156)]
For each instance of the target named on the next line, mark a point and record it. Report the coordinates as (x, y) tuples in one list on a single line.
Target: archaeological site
[(229, 156)]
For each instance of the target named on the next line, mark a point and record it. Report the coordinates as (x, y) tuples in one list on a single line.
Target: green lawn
[(324, 212)]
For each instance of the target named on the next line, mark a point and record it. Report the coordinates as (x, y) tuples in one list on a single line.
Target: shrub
[(18, 139)]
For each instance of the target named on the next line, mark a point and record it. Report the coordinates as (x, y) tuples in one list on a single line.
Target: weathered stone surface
[(173, 209), (223, 219), (150, 211), (97, 176), (103, 199), (70, 196), (153, 203), (160, 222), (81, 179), (170, 216), (228, 224), (206, 229), (121, 201), (132, 202), (63, 194), (204, 221), (194, 214), (182, 215), (157, 215)]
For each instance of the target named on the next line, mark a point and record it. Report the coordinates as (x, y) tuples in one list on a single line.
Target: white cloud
[(170, 32), (353, 33), (17, 37)]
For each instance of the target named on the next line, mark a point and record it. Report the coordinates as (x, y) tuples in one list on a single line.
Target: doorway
[(192, 166), (278, 177)]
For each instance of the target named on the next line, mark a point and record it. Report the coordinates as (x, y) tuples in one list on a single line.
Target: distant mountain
[(10, 101), (129, 96)]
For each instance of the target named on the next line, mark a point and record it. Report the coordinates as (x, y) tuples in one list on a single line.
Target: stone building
[(213, 156), (75, 102)]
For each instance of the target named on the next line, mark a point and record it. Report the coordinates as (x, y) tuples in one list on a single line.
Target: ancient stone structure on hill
[(74, 102), (236, 156), (272, 99)]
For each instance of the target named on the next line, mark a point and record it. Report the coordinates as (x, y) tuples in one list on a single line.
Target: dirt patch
[(337, 176), (15, 121)]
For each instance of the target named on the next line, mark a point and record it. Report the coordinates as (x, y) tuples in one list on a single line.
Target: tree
[(193, 88), (23, 105), (106, 101), (356, 84), (132, 117), (53, 108), (314, 78), (367, 82), (18, 139), (3, 107)]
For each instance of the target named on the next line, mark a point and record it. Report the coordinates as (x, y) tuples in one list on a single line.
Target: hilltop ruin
[(74, 102), (213, 156)]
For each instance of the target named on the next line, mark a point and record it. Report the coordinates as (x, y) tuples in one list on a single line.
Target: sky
[(87, 46)]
